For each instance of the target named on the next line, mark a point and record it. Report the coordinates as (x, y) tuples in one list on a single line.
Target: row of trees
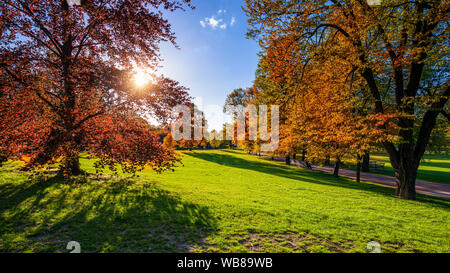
[(198, 135), (350, 77), (214, 140)]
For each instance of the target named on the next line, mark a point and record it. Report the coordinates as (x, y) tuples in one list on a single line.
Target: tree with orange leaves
[(239, 99), (389, 46)]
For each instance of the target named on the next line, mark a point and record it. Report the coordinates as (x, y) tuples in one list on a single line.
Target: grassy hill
[(219, 201)]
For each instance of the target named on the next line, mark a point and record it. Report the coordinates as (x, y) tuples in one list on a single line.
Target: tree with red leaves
[(65, 85)]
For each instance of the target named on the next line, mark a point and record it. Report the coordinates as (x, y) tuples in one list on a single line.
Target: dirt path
[(423, 187)]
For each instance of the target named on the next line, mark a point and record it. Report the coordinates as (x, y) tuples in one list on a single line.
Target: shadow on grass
[(43, 216), (310, 176)]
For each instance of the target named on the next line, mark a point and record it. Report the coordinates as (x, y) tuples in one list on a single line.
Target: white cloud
[(212, 22), (233, 21), (215, 23)]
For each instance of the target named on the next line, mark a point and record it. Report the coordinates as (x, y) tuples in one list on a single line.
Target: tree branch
[(428, 123)]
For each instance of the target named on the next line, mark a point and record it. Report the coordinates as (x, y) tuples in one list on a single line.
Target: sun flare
[(141, 78)]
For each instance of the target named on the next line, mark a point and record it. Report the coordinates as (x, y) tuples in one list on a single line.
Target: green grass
[(220, 201), (432, 168)]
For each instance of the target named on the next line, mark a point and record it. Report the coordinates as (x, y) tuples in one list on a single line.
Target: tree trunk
[(288, 160), (303, 155), (365, 163), (2, 158), (308, 165), (327, 161), (71, 165), (358, 169), (406, 185), (294, 156), (405, 176), (336, 168)]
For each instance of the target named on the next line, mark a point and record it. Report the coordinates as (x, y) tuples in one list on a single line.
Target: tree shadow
[(270, 167), (102, 217)]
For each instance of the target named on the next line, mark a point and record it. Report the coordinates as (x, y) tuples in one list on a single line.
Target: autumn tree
[(390, 46), (317, 119), (275, 83), (197, 127), (236, 105), (169, 142), (65, 81), (216, 139)]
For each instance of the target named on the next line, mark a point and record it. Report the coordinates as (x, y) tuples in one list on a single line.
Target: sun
[(141, 78)]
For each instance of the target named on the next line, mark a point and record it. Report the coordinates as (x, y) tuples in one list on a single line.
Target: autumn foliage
[(65, 88), (348, 75)]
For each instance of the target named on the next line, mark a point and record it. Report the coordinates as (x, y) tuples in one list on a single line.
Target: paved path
[(427, 188), (423, 187)]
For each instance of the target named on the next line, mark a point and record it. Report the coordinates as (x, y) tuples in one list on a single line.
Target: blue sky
[(214, 57)]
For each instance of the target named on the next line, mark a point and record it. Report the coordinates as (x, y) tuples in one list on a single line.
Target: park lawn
[(219, 201), (432, 168)]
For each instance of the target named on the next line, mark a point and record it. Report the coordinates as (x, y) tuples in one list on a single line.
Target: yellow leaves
[(325, 106)]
